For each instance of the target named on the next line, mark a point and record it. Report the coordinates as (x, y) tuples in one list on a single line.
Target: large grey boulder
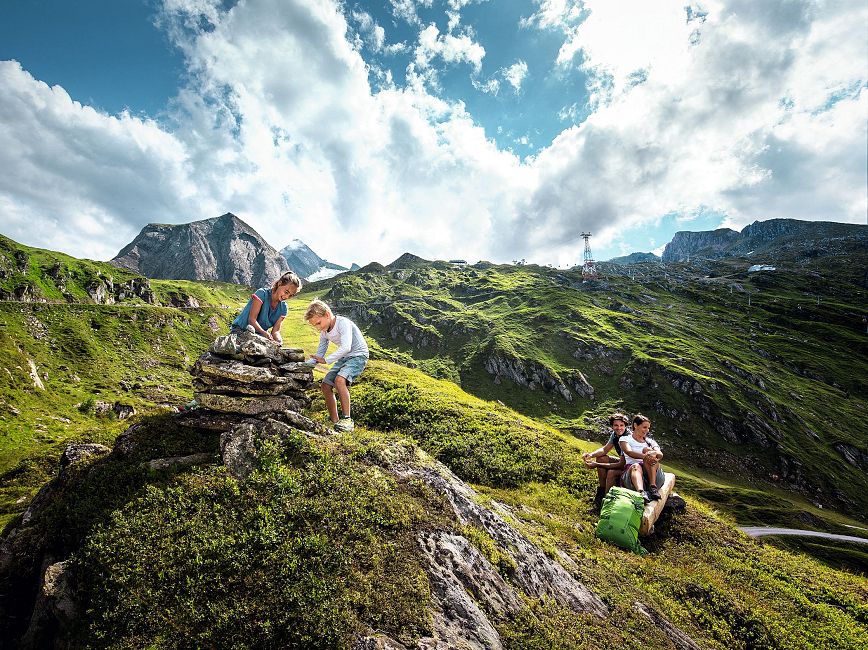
[(242, 447)]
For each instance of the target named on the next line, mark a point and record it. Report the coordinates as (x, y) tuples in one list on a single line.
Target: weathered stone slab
[(210, 364), (293, 388), (299, 421), (464, 586), (296, 367), (536, 573), (246, 345), (249, 405), (209, 420)]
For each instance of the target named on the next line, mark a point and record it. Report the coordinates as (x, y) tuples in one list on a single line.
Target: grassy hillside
[(319, 545), (90, 356), (758, 376)]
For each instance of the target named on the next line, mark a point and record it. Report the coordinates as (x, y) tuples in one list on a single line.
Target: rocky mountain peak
[(223, 248), (712, 243), (407, 261), (308, 264)]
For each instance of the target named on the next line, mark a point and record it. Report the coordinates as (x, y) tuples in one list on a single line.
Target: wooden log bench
[(654, 508)]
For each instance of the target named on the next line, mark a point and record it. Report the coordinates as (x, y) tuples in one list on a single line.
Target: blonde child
[(266, 308), (349, 359)]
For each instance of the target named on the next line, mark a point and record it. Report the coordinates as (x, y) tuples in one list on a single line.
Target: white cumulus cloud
[(515, 75), (754, 110)]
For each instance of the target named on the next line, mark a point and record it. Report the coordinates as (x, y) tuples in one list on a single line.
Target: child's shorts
[(347, 367)]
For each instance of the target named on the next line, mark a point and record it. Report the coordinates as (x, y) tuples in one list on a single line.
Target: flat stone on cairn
[(248, 375)]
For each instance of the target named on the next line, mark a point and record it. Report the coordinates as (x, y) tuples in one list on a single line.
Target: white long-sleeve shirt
[(347, 336)]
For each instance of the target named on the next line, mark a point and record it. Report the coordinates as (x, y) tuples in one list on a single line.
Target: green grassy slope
[(133, 352), (320, 544), (767, 393)]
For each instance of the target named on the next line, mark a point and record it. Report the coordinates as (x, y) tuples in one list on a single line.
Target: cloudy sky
[(476, 129)]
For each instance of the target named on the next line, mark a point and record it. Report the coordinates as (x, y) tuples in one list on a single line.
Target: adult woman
[(642, 456)]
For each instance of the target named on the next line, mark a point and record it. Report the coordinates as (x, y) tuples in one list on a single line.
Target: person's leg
[(331, 405), (612, 477), (636, 477), (650, 468), (602, 473), (343, 395)]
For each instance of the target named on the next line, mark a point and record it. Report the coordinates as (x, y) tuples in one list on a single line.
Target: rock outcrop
[(710, 243), (224, 249), (773, 236)]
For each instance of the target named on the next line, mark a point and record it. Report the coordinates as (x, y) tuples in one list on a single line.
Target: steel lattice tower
[(589, 269)]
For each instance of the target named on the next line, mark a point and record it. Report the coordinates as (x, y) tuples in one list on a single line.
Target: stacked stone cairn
[(251, 391), (248, 375)]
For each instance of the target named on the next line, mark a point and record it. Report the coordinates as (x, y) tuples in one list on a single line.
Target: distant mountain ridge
[(634, 258), (308, 264), (223, 249), (762, 237)]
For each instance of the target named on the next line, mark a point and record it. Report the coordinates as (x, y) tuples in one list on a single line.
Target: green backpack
[(620, 518)]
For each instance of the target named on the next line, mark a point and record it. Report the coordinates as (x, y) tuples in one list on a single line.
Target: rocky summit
[(224, 249)]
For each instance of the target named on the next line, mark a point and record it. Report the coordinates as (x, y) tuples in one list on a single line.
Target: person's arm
[(320, 351), (255, 307), (652, 450), (345, 330), (602, 451), (275, 331)]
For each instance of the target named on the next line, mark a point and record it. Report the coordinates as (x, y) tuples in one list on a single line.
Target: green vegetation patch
[(310, 551), (482, 442)]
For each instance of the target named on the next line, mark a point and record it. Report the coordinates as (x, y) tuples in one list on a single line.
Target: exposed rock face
[(224, 249), (712, 243), (761, 237), (104, 291), (634, 258), (308, 264), (536, 573), (533, 375), (463, 585)]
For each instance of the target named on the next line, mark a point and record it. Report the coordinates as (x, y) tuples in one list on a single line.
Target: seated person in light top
[(266, 308), (643, 457), (349, 359), (608, 467)]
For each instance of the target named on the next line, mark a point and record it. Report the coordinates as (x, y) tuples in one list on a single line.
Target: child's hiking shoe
[(653, 492), (345, 424), (645, 496)]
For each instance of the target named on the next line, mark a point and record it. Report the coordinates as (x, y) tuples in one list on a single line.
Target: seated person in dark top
[(608, 467)]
